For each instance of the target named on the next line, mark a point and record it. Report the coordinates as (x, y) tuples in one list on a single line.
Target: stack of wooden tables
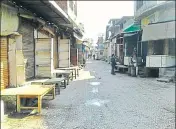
[(68, 74)]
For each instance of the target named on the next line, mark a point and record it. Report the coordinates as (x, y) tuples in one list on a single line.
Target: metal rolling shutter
[(26, 30), (64, 53), (74, 56), (4, 62), (43, 57), (80, 53)]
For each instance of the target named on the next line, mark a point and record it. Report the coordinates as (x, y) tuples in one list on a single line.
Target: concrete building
[(157, 19), (114, 28), (106, 51), (154, 11), (111, 28), (100, 47)]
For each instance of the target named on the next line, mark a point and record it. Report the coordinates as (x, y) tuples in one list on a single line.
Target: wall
[(62, 4), (165, 15), (164, 47), (146, 6), (8, 14), (128, 23), (71, 9), (159, 16), (27, 32)]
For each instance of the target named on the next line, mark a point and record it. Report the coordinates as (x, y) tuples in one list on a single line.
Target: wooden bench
[(56, 81), (73, 68), (68, 74), (31, 91)]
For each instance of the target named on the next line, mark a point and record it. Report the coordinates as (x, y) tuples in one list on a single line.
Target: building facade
[(157, 20), (154, 11), (114, 28), (37, 41)]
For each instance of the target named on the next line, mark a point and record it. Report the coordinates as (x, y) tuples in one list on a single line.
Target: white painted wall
[(70, 12), (2, 110), (146, 5)]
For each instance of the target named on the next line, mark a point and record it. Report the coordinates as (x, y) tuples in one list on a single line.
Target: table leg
[(39, 104), (54, 92), (75, 73), (65, 84), (58, 86), (68, 79), (72, 75), (18, 104), (78, 72)]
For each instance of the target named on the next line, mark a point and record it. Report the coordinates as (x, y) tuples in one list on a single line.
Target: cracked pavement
[(99, 100)]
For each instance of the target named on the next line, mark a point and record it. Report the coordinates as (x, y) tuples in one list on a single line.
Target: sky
[(96, 14)]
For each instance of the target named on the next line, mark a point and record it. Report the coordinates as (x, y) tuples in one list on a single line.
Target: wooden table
[(75, 68), (56, 81), (31, 91), (65, 73)]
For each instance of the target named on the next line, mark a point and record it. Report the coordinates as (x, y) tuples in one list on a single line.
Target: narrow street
[(99, 100)]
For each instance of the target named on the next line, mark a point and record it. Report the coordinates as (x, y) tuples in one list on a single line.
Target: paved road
[(99, 100)]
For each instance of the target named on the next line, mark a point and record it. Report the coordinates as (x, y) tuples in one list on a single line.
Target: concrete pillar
[(2, 110), (166, 47)]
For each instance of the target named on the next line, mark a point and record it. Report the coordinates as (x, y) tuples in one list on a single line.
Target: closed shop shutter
[(27, 31), (74, 56), (80, 53), (4, 62), (43, 57), (64, 53)]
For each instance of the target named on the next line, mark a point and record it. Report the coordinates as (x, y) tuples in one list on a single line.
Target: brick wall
[(62, 4)]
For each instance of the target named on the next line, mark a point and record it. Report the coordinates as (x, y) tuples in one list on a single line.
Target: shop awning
[(132, 28), (159, 31), (49, 10)]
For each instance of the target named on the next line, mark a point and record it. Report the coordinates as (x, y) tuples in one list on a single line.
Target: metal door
[(4, 62)]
